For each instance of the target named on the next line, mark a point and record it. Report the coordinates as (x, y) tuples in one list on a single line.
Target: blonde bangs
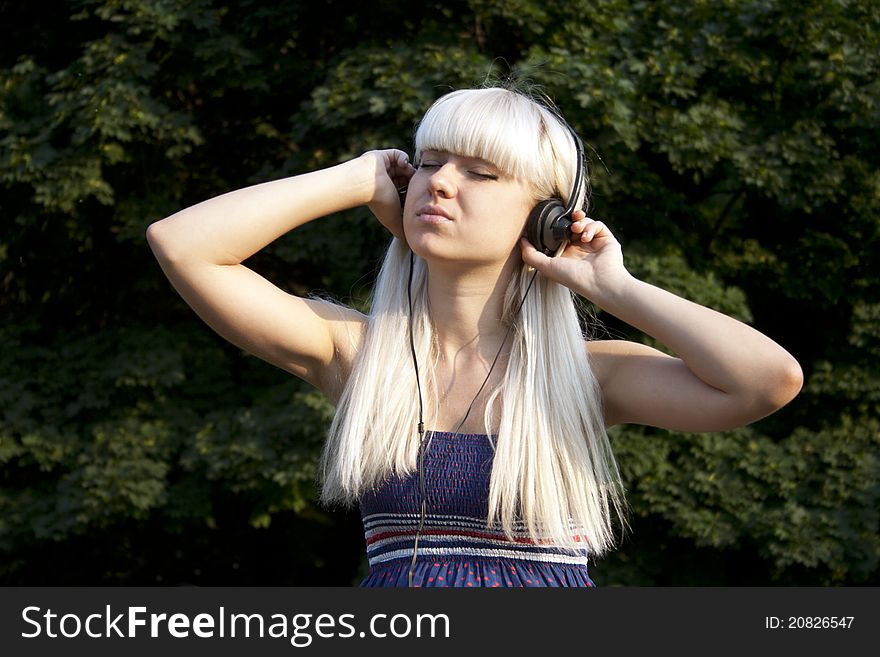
[(492, 124)]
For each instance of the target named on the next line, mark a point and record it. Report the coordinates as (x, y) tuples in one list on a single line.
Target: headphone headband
[(578, 189)]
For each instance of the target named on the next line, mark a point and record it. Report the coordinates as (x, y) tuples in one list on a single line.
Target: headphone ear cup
[(548, 226)]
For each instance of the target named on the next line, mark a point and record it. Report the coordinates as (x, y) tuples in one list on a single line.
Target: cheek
[(520, 214), (505, 212), (409, 202), (412, 200), (510, 224)]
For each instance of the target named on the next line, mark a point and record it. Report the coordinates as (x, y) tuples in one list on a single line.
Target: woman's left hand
[(591, 263)]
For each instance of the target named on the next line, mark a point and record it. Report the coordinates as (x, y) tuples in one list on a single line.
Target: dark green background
[(734, 149)]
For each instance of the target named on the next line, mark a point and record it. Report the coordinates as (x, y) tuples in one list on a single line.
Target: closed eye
[(484, 176), (476, 173)]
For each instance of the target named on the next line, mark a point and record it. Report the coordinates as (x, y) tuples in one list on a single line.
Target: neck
[(466, 307)]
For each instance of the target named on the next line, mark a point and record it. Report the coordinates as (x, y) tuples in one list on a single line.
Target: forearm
[(721, 351), (230, 228)]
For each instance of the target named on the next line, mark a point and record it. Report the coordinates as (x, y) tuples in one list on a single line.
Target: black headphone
[(549, 223)]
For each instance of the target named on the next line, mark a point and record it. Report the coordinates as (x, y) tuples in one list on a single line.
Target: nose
[(442, 181)]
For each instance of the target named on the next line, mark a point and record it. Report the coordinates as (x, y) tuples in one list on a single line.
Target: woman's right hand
[(391, 170)]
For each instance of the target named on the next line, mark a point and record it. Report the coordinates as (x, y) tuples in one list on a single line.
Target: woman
[(513, 483)]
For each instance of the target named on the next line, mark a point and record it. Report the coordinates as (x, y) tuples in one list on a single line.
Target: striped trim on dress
[(391, 535)]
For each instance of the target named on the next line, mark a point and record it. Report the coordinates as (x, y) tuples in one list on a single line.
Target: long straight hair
[(553, 470)]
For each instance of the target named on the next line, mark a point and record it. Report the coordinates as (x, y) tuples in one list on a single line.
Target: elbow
[(154, 239), (160, 241), (782, 385), (791, 380)]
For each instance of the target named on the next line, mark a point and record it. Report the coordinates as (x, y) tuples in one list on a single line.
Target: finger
[(531, 256), (394, 160), (402, 171), (579, 221), (403, 160), (592, 229)]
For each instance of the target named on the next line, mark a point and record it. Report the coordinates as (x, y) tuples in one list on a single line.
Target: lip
[(433, 214)]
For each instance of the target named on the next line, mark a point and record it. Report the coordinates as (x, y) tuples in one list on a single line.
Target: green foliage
[(806, 504), (734, 148), (125, 425)]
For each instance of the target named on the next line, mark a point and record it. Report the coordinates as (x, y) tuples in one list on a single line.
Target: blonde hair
[(553, 468)]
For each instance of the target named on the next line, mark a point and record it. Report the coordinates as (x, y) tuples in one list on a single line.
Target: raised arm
[(201, 250), (726, 374)]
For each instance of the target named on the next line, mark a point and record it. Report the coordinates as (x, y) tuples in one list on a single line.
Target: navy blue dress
[(456, 548)]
